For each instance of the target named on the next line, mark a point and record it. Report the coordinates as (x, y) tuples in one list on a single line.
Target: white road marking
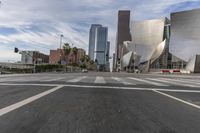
[(188, 80), (77, 79), (122, 81), (177, 99), (164, 81), (23, 79), (148, 82), (192, 80), (54, 79), (175, 82), (109, 87), (20, 84), (99, 80), (15, 106)]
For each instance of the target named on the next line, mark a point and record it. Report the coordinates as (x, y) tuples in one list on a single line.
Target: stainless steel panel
[(185, 34), (146, 36), (158, 52)]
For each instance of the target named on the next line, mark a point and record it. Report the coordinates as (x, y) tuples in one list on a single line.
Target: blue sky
[(36, 25)]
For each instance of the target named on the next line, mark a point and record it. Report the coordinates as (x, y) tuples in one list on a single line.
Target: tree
[(87, 58), (67, 49), (75, 51), (91, 62), (82, 59)]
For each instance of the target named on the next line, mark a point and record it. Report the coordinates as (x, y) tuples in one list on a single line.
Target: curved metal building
[(185, 36), (149, 42), (146, 36)]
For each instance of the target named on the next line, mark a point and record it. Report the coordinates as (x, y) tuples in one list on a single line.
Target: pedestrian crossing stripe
[(99, 80), (157, 81), (148, 82), (77, 79), (122, 81)]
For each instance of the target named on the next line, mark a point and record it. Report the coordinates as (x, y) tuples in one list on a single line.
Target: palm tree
[(67, 49), (75, 51)]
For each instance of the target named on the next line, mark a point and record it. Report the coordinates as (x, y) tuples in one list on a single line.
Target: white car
[(84, 70)]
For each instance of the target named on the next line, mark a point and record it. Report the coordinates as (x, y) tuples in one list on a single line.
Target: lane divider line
[(17, 105), (177, 99)]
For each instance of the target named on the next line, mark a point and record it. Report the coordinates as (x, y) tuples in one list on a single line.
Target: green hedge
[(48, 67)]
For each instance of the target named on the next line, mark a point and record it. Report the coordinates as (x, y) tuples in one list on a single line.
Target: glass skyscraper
[(98, 44)]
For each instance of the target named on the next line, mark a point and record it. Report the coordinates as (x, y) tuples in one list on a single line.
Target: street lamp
[(134, 58), (61, 36)]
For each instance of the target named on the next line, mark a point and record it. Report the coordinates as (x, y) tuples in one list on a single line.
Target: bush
[(48, 67), (83, 66)]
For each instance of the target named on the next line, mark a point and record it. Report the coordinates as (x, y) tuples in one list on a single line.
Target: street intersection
[(99, 102)]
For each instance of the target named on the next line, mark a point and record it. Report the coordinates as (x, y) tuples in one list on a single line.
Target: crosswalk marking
[(15, 80), (172, 83), (99, 80), (77, 79), (54, 79), (188, 80), (176, 82), (148, 82), (156, 81), (122, 81)]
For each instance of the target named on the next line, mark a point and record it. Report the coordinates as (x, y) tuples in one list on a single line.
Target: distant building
[(123, 33), (108, 56), (113, 63), (76, 58), (80, 54), (92, 40), (57, 56), (31, 57), (98, 45)]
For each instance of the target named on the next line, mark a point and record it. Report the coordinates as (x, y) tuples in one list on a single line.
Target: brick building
[(58, 55), (31, 57)]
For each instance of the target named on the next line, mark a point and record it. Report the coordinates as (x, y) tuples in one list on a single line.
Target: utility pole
[(61, 36), (134, 58)]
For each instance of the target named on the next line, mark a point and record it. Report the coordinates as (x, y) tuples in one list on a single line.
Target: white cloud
[(41, 22)]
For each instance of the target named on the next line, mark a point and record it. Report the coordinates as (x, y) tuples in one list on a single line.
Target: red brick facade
[(57, 55)]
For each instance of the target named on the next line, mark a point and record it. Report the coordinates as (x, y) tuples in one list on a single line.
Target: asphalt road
[(99, 103)]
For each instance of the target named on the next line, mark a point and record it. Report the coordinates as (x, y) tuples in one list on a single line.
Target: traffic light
[(16, 50)]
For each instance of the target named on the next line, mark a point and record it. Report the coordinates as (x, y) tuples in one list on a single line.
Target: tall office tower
[(98, 44), (108, 56), (123, 32), (92, 38)]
